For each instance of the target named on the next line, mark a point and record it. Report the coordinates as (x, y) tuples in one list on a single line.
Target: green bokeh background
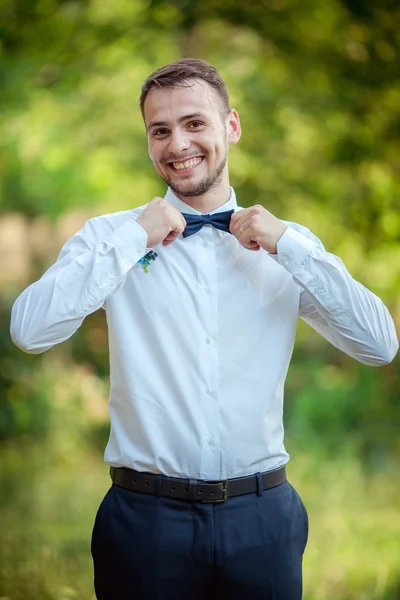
[(317, 86)]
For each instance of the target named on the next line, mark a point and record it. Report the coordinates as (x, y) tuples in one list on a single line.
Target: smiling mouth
[(187, 165)]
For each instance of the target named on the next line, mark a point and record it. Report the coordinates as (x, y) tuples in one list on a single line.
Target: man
[(202, 300)]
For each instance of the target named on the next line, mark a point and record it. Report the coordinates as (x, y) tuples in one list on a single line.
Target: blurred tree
[(317, 85)]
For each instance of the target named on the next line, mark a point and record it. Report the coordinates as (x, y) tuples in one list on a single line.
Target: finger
[(245, 235), (235, 227), (180, 227), (174, 233), (241, 224), (171, 237), (235, 218), (178, 217), (239, 213), (256, 249), (253, 246), (240, 228)]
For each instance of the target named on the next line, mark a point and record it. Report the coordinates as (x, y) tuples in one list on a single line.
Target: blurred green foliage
[(317, 86)]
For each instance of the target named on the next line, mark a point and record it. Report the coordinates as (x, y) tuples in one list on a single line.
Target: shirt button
[(205, 244), (284, 259), (208, 340), (210, 442), (209, 391), (207, 291)]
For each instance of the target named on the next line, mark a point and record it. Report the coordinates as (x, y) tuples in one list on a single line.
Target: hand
[(162, 222), (257, 228)]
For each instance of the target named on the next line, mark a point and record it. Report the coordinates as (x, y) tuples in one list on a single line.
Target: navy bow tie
[(218, 220)]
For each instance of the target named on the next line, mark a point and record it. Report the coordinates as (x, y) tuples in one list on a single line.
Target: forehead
[(170, 103)]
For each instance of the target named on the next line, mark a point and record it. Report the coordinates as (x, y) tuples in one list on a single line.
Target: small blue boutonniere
[(145, 261)]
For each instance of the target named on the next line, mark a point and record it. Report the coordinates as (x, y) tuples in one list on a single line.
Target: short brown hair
[(184, 72)]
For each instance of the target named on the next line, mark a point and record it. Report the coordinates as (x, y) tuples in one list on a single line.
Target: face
[(189, 136)]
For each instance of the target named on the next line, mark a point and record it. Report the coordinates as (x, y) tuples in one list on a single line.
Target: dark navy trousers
[(248, 548)]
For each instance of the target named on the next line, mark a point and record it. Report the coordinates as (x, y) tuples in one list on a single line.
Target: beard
[(202, 187)]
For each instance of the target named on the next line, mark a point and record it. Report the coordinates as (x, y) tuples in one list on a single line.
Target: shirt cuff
[(130, 239), (293, 250)]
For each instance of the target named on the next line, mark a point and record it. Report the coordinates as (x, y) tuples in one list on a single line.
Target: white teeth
[(188, 164)]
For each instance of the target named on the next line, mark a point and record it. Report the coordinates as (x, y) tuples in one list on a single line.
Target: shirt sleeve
[(92, 265), (340, 308)]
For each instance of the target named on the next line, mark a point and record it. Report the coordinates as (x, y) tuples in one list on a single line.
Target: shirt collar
[(186, 208)]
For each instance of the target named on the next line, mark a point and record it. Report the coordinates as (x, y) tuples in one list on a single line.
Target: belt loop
[(158, 485), (192, 490), (259, 484)]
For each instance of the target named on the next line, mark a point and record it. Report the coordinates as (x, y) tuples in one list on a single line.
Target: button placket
[(208, 288)]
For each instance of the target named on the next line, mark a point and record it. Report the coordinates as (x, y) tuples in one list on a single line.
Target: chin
[(187, 187), (189, 190)]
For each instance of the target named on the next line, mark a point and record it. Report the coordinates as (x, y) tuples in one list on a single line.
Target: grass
[(353, 551), (51, 491)]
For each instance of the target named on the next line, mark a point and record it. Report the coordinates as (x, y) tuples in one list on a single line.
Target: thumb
[(171, 237)]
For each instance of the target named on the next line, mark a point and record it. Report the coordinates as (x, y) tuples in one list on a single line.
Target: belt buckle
[(224, 494)]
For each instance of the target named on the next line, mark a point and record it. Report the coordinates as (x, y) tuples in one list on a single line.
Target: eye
[(160, 132), (195, 124)]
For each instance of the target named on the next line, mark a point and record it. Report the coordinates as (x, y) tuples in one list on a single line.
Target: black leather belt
[(194, 490)]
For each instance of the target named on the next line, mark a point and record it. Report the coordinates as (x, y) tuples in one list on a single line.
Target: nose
[(179, 142)]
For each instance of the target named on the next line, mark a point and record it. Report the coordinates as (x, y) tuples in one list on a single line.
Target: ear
[(234, 130)]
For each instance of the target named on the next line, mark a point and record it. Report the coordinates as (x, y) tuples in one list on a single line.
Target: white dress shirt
[(201, 343)]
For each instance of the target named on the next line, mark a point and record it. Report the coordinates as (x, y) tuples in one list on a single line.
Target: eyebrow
[(180, 120)]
